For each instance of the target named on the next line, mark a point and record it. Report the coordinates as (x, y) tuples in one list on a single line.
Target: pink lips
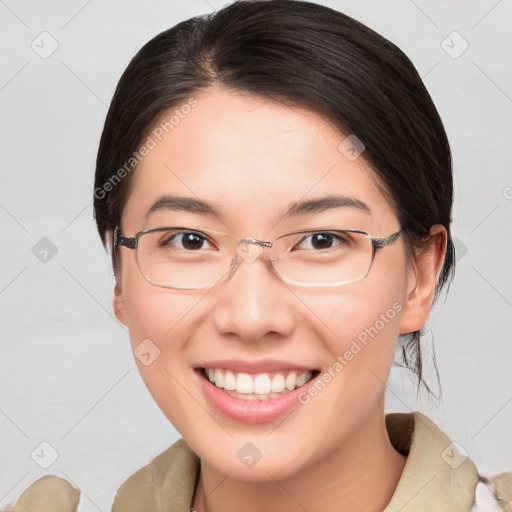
[(251, 411)]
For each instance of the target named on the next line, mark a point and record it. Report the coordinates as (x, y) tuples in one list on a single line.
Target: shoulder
[(453, 481), (50, 492), (170, 477)]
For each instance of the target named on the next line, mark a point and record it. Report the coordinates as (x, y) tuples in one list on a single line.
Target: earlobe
[(118, 304), (422, 282)]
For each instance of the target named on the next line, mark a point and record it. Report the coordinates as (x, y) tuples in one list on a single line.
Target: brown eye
[(321, 240), (186, 240)]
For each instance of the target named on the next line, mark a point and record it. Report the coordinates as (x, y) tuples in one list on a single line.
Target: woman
[(275, 186)]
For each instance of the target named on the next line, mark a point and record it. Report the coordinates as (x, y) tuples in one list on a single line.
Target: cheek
[(151, 311), (160, 326), (160, 323), (362, 311), (361, 327)]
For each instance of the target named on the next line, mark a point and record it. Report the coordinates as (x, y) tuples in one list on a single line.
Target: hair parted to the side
[(305, 55)]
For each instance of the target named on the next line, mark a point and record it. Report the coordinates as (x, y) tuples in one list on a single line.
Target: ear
[(422, 281), (118, 304), (118, 298)]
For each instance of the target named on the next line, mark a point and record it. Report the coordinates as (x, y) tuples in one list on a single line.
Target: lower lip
[(251, 411)]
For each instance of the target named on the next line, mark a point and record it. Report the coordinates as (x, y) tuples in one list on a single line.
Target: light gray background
[(68, 377)]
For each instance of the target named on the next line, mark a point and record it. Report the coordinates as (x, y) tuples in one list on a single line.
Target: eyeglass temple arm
[(379, 243), (120, 239)]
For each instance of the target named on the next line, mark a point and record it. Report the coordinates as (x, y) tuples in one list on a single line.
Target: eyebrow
[(325, 203), (188, 204), (193, 205)]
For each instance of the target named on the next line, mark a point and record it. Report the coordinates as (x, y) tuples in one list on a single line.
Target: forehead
[(250, 156)]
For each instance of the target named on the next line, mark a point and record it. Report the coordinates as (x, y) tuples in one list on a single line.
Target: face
[(252, 158)]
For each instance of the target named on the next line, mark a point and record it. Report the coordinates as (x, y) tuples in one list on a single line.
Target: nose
[(253, 302)]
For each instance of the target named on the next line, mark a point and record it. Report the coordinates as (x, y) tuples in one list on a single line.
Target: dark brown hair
[(305, 55)]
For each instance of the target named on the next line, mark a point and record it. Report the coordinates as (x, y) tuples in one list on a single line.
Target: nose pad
[(249, 249)]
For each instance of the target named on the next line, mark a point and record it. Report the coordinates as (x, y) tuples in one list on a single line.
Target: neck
[(362, 475)]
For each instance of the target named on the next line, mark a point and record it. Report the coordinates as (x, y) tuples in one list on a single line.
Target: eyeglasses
[(185, 258)]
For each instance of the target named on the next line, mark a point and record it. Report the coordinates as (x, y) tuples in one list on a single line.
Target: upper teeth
[(260, 384)]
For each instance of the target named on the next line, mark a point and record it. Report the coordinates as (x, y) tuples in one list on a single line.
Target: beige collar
[(436, 478)]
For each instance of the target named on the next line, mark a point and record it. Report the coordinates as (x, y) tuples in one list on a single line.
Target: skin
[(253, 157)]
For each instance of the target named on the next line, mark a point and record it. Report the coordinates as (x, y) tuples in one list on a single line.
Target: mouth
[(257, 386)]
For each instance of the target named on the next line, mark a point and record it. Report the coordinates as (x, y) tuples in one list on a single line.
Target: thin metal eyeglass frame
[(132, 243)]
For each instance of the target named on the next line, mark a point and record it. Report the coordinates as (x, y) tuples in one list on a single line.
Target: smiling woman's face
[(252, 158)]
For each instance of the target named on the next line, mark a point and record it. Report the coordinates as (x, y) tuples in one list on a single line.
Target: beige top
[(436, 478)]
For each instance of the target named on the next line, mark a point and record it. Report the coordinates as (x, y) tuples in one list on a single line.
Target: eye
[(185, 240), (322, 240)]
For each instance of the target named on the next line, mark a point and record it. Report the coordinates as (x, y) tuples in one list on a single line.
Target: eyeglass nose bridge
[(254, 241)]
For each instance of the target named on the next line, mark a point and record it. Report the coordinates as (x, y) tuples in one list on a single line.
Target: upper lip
[(261, 366)]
